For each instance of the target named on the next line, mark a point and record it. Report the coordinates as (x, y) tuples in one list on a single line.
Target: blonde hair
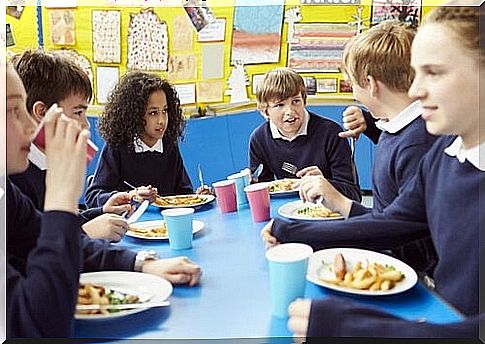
[(383, 52), (463, 21), (279, 84)]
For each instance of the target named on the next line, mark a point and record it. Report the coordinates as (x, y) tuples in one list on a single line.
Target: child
[(141, 124), (70, 88), (378, 64), (296, 136), (444, 198), (34, 293)]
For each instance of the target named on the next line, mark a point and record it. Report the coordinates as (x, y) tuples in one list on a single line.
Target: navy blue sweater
[(41, 298), (117, 164), (32, 184), (320, 147), (443, 200)]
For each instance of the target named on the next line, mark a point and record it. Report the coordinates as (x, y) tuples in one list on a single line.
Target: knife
[(122, 306), (257, 173), (201, 179), (138, 212)]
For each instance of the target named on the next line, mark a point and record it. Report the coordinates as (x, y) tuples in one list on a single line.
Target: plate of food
[(106, 288), (284, 187), (183, 201), (361, 272), (299, 210), (156, 230)]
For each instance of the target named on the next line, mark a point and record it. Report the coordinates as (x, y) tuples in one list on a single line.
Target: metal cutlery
[(201, 178), (122, 306), (257, 173), (352, 160), (290, 168)]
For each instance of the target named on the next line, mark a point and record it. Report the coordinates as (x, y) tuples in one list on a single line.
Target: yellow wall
[(25, 32)]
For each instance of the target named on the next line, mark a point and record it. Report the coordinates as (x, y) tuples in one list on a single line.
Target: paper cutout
[(182, 67), (238, 80), (213, 61), (214, 32), (209, 91), (107, 36), (185, 93), (106, 80), (62, 27), (292, 16), (147, 42)]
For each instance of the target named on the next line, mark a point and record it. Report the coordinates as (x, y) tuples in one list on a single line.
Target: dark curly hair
[(122, 120)]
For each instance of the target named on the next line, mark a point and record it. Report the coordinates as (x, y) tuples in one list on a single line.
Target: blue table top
[(233, 297)]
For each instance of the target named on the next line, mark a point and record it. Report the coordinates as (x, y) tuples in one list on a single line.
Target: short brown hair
[(50, 78), (383, 52), (279, 84)]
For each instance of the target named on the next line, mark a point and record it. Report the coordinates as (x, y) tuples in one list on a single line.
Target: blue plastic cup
[(241, 182), (179, 226), (288, 264)]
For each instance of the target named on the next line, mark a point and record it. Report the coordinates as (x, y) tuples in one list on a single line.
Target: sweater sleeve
[(372, 132), (42, 302), (336, 317), (184, 185), (358, 209), (91, 213), (256, 157), (106, 178), (100, 255)]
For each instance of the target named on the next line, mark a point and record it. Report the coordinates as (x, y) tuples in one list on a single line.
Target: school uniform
[(443, 199), (317, 143), (372, 131), (160, 166), (32, 183), (403, 142)]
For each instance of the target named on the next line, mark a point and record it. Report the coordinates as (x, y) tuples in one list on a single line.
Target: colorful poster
[(256, 33), (408, 11)]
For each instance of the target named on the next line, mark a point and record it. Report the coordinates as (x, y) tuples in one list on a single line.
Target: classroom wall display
[(147, 42), (320, 46), (106, 80), (183, 36), (9, 40), (326, 85), (62, 27), (200, 15), (214, 32), (185, 93), (182, 67), (345, 86), (106, 36), (311, 85), (256, 32), (210, 91), (408, 11), (15, 11)]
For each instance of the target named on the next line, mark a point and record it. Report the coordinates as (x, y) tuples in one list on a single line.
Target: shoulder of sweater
[(415, 134), (262, 129)]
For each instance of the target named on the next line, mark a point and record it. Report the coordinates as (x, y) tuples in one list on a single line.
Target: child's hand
[(309, 171), (298, 318), (267, 237), (178, 270), (110, 227), (144, 192), (66, 146), (204, 190), (354, 122), (118, 203)]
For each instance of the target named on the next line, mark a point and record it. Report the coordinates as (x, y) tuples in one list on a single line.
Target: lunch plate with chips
[(299, 210), (284, 187), (156, 229), (149, 288), (321, 268), (183, 201)]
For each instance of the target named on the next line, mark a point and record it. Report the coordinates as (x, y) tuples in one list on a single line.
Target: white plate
[(289, 210), (284, 192), (352, 255), (135, 283), (196, 227), (207, 199)]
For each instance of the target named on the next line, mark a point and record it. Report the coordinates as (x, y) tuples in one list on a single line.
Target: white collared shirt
[(37, 157), (275, 133), (474, 155), (406, 116), (141, 146)]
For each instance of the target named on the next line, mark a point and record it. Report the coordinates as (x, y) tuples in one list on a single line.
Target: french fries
[(318, 211), (151, 232), (179, 200), (372, 276), (283, 185)]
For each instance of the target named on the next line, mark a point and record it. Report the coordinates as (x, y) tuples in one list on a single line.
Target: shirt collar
[(37, 157), (456, 149), (275, 133), (406, 116), (141, 146)]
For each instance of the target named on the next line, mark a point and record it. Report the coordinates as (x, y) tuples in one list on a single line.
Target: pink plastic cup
[(259, 202), (226, 195)]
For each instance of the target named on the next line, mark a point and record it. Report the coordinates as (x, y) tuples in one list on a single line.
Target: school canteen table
[(233, 298)]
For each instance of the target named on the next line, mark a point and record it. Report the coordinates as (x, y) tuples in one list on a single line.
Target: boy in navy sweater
[(70, 88), (295, 136), (378, 64), (443, 199), (35, 288)]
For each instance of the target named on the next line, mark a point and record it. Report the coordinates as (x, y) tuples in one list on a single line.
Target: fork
[(352, 160), (290, 168)]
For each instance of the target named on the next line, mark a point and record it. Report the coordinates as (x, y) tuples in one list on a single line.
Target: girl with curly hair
[(141, 125)]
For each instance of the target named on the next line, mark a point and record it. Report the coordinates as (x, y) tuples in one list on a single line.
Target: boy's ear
[(38, 111), (373, 85)]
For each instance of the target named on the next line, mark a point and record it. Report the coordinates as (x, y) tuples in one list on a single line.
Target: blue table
[(233, 298)]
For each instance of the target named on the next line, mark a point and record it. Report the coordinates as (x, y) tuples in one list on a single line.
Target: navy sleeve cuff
[(358, 209)]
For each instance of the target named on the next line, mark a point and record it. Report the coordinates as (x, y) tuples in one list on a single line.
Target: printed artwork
[(15, 11), (62, 27), (147, 42), (327, 85), (107, 36), (345, 86), (256, 33), (319, 48), (200, 15), (182, 67), (408, 11)]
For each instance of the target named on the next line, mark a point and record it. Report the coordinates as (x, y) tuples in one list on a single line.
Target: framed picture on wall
[(311, 85), (408, 11), (326, 85), (345, 86)]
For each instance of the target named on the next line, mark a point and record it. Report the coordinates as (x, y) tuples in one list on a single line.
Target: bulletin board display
[(199, 63)]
